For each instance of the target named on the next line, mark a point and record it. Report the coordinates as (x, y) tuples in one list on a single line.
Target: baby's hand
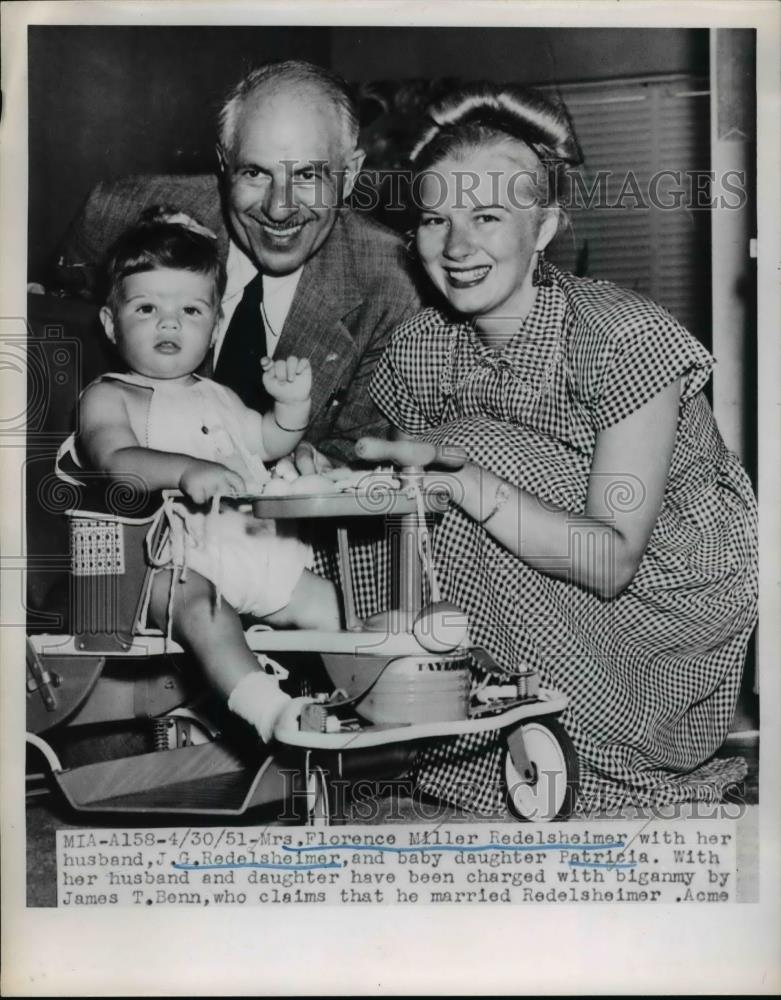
[(202, 480), (288, 381)]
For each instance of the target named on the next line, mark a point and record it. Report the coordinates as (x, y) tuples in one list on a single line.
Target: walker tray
[(378, 499)]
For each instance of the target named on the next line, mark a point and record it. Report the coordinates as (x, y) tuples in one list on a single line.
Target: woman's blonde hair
[(481, 113)]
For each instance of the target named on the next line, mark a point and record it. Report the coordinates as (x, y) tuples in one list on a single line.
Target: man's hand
[(202, 480), (288, 380), (310, 461)]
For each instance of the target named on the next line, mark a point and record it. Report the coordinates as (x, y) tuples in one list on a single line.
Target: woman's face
[(480, 226)]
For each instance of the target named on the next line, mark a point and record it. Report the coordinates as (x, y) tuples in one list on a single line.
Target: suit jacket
[(351, 295)]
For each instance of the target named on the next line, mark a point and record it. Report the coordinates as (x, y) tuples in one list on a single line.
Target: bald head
[(303, 85)]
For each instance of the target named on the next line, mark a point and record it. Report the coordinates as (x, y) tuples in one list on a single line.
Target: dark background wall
[(108, 101), (525, 55)]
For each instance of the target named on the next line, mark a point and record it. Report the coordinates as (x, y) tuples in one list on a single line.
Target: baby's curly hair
[(163, 237)]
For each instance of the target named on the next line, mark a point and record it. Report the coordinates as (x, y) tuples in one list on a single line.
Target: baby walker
[(404, 679)]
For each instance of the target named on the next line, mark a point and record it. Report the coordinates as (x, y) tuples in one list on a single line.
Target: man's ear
[(107, 319), (548, 228), (352, 168)]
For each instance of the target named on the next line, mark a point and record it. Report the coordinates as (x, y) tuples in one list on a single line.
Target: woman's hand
[(202, 480), (410, 452)]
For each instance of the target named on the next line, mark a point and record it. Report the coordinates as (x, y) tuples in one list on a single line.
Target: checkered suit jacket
[(350, 297)]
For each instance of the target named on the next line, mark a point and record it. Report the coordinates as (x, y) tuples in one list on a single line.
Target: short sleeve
[(625, 356), (406, 381)]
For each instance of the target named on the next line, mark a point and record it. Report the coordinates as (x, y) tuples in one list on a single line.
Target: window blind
[(631, 223)]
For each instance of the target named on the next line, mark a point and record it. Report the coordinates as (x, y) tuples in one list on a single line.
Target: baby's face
[(164, 322)]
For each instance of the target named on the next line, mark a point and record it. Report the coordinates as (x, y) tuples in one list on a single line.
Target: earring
[(411, 246), (541, 277)]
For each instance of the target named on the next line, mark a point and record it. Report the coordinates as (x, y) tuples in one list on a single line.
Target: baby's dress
[(254, 564), (652, 675)]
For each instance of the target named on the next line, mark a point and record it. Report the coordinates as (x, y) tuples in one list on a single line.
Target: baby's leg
[(215, 636), (314, 603)]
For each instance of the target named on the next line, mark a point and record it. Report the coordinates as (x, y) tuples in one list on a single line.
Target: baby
[(160, 422)]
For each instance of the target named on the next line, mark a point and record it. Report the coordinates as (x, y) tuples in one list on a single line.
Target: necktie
[(244, 344)]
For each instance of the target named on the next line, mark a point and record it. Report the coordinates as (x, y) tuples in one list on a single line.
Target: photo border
[(571, 950)]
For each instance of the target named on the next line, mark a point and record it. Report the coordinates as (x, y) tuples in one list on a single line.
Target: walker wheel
[(550, 791)]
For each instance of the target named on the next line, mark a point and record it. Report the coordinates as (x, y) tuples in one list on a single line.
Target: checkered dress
[(653, 674)]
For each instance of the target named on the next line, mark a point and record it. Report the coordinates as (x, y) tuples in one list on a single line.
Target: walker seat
[(110, 577)]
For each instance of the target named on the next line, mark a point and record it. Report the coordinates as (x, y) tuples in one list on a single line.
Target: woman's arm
[(600, 549), (108, 443)]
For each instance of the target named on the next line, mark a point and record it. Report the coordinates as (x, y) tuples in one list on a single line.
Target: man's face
[(285, 176)]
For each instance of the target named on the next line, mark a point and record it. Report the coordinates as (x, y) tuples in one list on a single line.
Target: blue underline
[(280, 866), (452, 847), (602, 864), (423, 848)]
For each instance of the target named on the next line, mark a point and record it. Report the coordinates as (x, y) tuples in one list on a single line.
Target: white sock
[(259, 701)]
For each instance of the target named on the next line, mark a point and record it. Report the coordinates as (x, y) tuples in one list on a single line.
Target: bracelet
[(290, 430), (501, 497)]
